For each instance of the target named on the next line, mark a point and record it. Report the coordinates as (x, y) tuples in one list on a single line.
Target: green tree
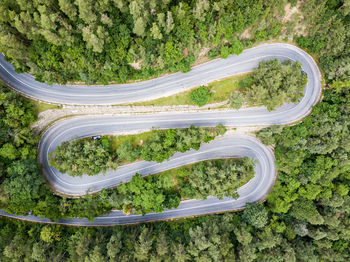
[(224, 51), (156, 33), (255, 214), (86, 11), (8, 151), (139, 27), (114, 246), (200, 96), (236, 100), (22, 189), (49, 234)]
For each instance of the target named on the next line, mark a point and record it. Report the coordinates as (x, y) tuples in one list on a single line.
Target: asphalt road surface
[(225, 147)]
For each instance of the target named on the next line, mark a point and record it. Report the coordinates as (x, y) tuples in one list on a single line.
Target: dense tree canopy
[(273, 83), (217, 178), (255, 215), (66, 40), (82, 157), (327, 25)]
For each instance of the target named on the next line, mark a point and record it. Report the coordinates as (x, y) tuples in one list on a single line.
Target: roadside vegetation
[(40, 107), (91, 157), (197, 181), (328, 36), (200, 96), (219, 90), (271, 84)]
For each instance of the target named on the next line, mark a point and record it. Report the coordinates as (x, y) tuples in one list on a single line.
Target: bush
[(221, 129), (236, 100), (236, 47), (246, 82), (214, 52), (224, 51), (200, 96)]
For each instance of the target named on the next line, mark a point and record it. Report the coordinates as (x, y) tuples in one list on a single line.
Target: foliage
[(235, 48), (275, 83), (95, 41), (255, 214), (200, 96), (328, 36), (271, 84), (91, 157), (23, 188), (217, 178), (236, 100), (145, 195), (313, 162), (308, 209), (88, 157), (16, 138)]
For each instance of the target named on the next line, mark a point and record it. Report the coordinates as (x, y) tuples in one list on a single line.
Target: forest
[(61, 41), (304, 218)]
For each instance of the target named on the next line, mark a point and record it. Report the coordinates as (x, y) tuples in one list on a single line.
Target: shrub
[(225, 51), (200, 96), (236, 100)]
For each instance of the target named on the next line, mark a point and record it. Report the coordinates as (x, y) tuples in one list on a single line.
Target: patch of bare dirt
[(202, 57), (290, 11), (136, 64), (294, 17), (185, 52), (245, 130), (246, 34)]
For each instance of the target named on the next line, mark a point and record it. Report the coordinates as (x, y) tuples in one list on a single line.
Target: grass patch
[(41, 107), (135, 139), (220, 91)]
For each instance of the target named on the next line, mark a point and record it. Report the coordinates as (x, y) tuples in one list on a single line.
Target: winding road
[(224, 147)]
